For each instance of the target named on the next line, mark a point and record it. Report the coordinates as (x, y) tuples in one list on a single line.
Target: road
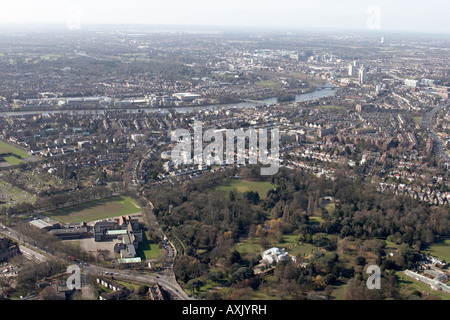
[(138, 276), (426, 122), (166, 278)]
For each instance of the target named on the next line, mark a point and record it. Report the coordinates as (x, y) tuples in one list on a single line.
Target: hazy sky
[(388, 15)]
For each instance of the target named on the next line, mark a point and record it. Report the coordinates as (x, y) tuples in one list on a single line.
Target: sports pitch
[(96, 210), (14, 155)]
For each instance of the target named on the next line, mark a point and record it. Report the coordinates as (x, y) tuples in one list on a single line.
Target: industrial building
[(187, 96)]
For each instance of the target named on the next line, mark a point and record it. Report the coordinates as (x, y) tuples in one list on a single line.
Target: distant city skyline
[(379, 15)]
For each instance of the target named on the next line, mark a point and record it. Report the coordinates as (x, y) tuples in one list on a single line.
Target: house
[(119, 291), (435, 260), (157, 293), (8, 249), (47, 224), (274, 255), (70, 233)]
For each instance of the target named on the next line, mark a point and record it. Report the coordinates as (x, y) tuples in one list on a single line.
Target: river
[(320, 92)]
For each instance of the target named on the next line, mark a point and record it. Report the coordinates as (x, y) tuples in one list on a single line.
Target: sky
[(430, 16)]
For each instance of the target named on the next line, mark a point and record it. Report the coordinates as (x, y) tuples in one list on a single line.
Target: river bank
[(319, 93)]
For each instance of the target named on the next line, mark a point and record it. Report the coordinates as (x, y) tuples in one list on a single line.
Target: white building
[(274, 255), (411, 82), (378, 88), (138, 137), (362, 75), (187, 96), (350, 70)]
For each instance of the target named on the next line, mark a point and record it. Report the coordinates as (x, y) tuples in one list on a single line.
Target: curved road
[(138, 276), (426, 122), (165, 279)]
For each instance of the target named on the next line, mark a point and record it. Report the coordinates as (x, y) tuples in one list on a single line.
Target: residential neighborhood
[(186, 162)]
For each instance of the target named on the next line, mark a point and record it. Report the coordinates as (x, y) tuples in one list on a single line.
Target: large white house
[(274, 254)]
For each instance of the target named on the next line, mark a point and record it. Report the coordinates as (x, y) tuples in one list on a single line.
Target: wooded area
[(208, 225)]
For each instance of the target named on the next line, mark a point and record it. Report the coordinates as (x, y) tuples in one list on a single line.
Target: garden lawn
[(148, 249), (7, 148), (13, 160), (290, 244), (441, 250), (242, 186)]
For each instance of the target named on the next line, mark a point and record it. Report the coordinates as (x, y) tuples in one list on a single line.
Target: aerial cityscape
[(132, 162)]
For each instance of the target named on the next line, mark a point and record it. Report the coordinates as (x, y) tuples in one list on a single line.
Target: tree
[(329, 279), (215, 276), (187, 268), (49, 293), (319, 283), (114, 186), (360, 260), (235, 257), (194, 285), (241, 274), (252, 196)]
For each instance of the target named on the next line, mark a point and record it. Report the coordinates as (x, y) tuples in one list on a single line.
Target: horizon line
[(286, 29)]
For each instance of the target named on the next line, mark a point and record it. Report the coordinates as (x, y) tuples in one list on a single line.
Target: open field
[(10, 195), (242, 186), (268, 84), (290, 244), (12, 155), (13, 160), (441, 250), (332, 107), (129, 285), (148, 249), (95, 210), (417, 120), (338, 291), (315, 220), (7, 148)]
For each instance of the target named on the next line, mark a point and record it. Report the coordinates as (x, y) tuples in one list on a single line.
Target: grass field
[(15, 154), (332, 107), (128, 285), (440, 250), (7, 148), (338, 291), (148, 249), (417, 120), (10, 195), (290, 244), (13, 160), (268, 84), (315, 220), (330, 207), (96, 210), (242, 186)]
